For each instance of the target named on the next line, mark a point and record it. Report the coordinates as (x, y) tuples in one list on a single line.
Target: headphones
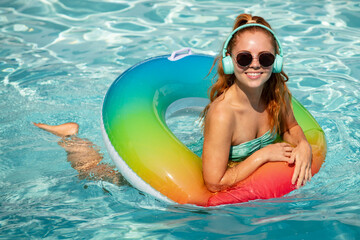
[(227, 62)]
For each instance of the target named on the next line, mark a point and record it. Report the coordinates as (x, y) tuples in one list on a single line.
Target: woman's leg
[(83, 155)]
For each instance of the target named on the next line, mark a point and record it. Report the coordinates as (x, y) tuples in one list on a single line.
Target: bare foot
[(62, 130)]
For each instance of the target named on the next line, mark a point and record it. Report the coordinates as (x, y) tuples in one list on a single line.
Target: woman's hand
[(302, 156), (277, 152), (302, 153)]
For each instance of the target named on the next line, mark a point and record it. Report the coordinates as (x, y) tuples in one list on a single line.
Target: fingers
[(287, 152), (284, 144), (295, 174), (301, 180), (308, 174), (306, 179), (302, 174), (291, 160), (299, 155), (286, 147), (281, 152)]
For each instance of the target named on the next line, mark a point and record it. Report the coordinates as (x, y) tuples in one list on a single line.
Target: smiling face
[(254, 42)]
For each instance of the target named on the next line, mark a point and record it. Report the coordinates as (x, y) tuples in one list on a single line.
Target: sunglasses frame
[(252, 58)]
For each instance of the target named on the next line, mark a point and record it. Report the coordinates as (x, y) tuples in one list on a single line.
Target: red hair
[(275, 92)]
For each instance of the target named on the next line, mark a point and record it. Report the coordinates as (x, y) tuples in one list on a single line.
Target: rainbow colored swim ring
[(154, 161)]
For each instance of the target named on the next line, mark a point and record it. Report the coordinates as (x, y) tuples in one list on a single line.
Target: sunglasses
[(244, 59)]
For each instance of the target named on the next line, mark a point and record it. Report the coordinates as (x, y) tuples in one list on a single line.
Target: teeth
[(253, 74)]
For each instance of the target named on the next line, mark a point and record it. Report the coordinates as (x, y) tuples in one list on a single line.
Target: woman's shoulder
[(220, 112)]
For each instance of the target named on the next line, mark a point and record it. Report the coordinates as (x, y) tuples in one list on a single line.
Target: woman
[(248, 109)]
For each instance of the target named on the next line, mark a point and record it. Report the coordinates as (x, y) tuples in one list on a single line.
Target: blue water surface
[(57, 60)]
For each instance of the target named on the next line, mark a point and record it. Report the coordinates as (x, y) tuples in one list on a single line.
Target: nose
[(255, 64)]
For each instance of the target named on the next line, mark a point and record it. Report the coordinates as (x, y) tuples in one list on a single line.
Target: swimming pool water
[(57, 60)]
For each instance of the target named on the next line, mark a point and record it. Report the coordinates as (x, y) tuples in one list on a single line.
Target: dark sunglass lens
[(244, 59), (266, 59)]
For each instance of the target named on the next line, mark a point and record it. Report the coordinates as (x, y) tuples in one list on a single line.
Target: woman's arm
[(217, 142), (302, 154)]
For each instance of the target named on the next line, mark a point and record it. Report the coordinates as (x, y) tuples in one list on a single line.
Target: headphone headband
[(251, 25)]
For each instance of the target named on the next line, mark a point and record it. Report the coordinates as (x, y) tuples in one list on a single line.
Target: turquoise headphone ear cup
[(278, 63), (228, 65)]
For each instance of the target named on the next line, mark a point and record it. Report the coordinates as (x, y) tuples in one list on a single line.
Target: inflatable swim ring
[(154, 161)]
